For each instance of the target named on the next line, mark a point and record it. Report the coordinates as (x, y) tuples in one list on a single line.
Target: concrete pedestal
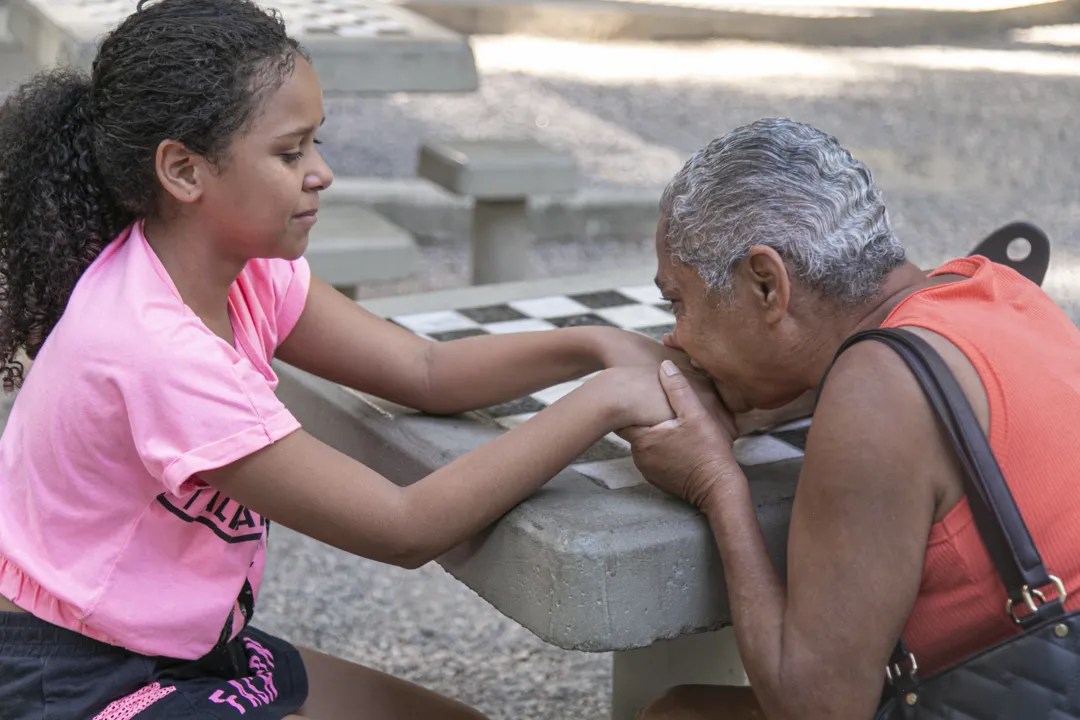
[(500, 176), (641, 676), (500, 241)]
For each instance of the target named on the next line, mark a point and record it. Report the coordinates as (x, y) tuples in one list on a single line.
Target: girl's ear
[(180, 171)]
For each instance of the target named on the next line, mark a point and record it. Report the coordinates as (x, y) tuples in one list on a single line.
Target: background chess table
[(358, 46)]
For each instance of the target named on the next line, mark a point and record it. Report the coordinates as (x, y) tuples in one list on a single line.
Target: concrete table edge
[(497, 170), (658, 568)]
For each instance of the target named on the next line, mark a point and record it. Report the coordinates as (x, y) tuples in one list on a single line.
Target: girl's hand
[(619, 348), (634, 396), (688, 454), (638, 399)]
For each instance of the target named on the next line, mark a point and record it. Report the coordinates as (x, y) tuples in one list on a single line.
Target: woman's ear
[(769, 282), (179, 171)]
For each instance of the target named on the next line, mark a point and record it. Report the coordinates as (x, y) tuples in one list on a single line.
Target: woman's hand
[(689, 453)]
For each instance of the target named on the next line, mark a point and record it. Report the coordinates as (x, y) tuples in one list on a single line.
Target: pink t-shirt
[(105, 527)]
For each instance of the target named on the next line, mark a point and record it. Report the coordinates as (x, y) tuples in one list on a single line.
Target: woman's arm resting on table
[(801, 407), (303, 484), (338, 340), (817, 645)]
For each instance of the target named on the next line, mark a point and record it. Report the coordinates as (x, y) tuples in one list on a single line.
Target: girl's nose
[(321, 176)]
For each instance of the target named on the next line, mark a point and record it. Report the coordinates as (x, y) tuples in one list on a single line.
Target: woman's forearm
[(755, 592), (757, 420)]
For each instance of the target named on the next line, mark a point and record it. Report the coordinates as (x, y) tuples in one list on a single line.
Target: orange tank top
[(1027, 354)]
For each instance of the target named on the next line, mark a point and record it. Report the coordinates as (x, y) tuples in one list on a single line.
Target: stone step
[(350, 245), (427, 211)]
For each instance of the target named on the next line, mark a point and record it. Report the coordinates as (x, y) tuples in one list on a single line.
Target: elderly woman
[(774, 246)]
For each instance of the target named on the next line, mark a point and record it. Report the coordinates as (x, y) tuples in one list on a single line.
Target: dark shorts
[(48, 673)]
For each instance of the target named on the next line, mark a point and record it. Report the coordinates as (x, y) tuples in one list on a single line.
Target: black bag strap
[(993, 508)]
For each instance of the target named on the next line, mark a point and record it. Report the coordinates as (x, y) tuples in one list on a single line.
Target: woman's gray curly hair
[(790, 187)]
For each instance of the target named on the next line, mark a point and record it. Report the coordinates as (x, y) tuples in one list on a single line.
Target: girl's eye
[(295, 157)]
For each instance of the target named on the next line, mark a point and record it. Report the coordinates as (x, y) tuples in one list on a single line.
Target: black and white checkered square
[(640, 309)]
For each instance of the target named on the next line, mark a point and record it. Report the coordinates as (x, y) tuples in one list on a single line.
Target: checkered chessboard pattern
[(640, 309)]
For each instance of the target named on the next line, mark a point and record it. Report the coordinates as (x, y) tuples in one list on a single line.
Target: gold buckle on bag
[(1029, 596)]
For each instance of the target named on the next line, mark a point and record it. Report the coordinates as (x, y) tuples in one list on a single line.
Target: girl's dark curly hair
[(77, 152)]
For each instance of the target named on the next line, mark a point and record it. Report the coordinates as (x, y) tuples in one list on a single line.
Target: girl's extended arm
[(338, 340), (301, 483)]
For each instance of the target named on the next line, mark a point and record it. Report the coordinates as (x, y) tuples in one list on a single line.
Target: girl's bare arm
[(337, 339), (301, 483)]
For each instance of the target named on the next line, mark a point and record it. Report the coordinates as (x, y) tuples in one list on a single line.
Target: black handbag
[(1034, 675)]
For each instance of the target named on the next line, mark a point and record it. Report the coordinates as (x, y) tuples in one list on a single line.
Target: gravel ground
[(961, 139), (426, 627)]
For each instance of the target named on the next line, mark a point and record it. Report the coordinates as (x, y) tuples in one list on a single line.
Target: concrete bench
[(429, 211), (359, 46), (350, 245), (500, 176)]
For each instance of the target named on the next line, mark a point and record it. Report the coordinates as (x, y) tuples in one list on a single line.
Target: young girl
[(152, 223)]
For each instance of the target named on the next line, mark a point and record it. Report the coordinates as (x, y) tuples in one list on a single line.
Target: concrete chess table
[(637, 308), (358, 46), (597, 560)]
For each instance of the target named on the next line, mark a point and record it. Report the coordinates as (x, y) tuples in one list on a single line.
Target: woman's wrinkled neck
[(839, 324), (898, 286)]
